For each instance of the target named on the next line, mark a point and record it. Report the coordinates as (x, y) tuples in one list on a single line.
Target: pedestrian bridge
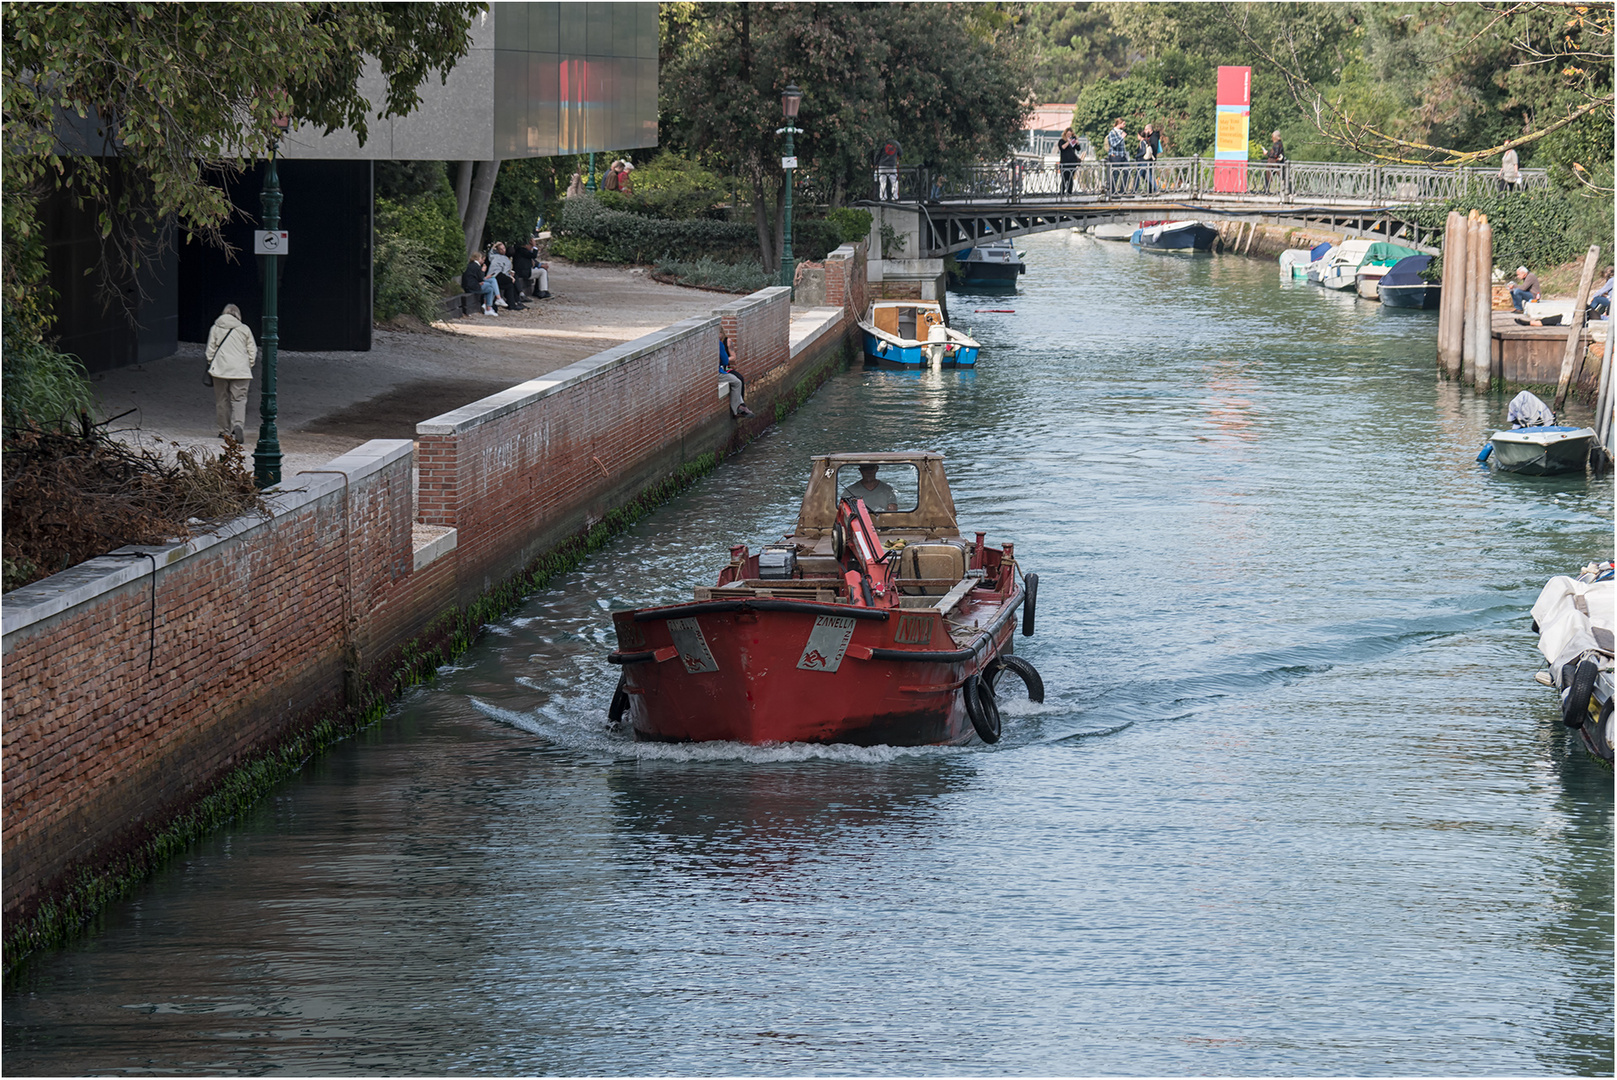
[(937, 214)]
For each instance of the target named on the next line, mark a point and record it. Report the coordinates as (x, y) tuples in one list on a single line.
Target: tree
[(141, 108), (941, 78)]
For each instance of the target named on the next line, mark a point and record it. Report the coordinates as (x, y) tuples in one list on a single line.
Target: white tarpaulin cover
[(1526, 410)]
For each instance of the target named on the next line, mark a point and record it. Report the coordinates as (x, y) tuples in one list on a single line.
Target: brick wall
[(133, 683)]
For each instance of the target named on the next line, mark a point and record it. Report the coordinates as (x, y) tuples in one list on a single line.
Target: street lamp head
[(790, 99)]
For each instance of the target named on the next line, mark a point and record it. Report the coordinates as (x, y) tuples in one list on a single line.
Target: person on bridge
[(1510, 173), (1147, 156), (887, 155), (1068, 146), (1117, 154), (1527, 291), (1275, 156)]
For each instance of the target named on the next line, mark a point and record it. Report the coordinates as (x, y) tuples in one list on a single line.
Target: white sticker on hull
[(692, 646), (827, 643)]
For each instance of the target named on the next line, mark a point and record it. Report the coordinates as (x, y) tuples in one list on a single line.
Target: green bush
[(852, 225), (814, 238), (584, 249), (431, 225), (1530, 228), (674, 188), (40, 387), (405, 280), (642, 239), (744, 277)]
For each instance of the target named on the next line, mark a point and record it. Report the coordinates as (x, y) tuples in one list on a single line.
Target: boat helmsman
[(877, 494)]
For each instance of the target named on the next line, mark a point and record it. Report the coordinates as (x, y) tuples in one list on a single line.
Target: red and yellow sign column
[(1234, 128)]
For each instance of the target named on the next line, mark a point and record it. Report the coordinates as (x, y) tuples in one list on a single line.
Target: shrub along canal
[(1293, 805)]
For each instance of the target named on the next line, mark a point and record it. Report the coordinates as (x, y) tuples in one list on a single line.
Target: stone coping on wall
[(458, 421), (76, 585), (808, 327)]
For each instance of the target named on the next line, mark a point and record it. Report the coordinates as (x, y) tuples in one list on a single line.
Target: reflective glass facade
[(571, 78)]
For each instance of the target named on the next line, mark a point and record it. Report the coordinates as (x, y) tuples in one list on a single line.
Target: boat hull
[(1541, 451), (1193, 237), (1001, 276), (1421, 297), (916, 354), (782, 671)]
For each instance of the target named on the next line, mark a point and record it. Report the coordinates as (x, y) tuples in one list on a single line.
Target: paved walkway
[(330, 402)]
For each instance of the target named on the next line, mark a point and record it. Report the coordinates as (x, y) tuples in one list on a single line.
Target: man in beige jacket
[(231, 353)]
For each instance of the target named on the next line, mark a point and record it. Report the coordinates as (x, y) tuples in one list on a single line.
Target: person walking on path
[(1068, 147), (231, 353), (1527, 291), (1510, 173), (887, 155), (738, 385)]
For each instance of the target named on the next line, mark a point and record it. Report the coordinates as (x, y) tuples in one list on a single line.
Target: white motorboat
[(1341, 268), (1535, 444), (1573, 618)]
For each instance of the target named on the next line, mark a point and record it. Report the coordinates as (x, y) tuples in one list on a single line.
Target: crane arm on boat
[(874, 573)]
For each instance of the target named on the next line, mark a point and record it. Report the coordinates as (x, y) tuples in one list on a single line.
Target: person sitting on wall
[(231, 352), (499, 265), (1600, 301), (738, 385), (476, 279), (1528, 290), (878, 496)]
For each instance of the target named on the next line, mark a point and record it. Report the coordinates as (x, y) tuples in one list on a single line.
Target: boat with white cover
[(1573, 618), (1535, 444)]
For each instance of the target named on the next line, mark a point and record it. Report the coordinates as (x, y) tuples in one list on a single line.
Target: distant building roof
[(1050, 118)]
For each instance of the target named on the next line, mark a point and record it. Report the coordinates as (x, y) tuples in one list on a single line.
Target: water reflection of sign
[(827, 643), (693, 651), (1233, 128), (269, 242)]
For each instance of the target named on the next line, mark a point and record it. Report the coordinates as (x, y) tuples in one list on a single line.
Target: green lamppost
[(589, 185), (270, 246), (790, 99)]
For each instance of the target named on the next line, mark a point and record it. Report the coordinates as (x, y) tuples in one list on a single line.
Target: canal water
[(1294, 803)]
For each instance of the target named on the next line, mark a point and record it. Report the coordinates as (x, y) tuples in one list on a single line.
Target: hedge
[(620, 236)]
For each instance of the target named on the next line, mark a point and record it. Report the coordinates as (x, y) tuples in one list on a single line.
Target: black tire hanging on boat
[(1024, 671), (839, 540), (620, 702), (1575, 709), (982, 709), (1030, 600)]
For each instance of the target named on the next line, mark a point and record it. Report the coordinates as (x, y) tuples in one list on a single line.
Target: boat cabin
[(906, 320)]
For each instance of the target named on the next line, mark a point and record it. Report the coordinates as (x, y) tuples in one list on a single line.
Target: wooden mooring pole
[(1451, 310), (1484, 308), (1574, 336), (1468, 301)]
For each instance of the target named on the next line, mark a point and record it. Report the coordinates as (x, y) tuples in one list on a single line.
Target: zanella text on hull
[(873, 623)]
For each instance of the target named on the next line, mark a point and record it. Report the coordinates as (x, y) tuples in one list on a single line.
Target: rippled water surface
[(1294, 804)]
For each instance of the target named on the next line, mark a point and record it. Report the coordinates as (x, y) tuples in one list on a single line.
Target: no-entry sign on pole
[(1234, 128)]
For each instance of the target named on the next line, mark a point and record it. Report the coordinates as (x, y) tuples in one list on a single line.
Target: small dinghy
[(1175, 236), (873, 623), (914, 334), (1573, 618), (1535, 444), (1114, 232)]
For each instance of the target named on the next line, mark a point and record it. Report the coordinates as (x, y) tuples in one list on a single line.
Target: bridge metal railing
[(1292, 182)]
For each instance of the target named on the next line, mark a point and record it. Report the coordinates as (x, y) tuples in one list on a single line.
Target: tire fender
[(1024, 671), (981, 708), (1030, 600), (1580, 687)]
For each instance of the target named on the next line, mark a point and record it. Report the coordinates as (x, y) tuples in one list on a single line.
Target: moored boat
[(1114, 232), (1294, 262), (1175, 236), (1403, 287), (914, 333), (1535, 444), (1341, 268), (1381, 258), (994, 265), (1573, 617), (873, 623)]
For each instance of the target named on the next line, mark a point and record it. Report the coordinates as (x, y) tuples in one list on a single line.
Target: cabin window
[(900, 484)]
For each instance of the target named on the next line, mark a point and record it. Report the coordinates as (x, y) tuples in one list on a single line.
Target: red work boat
[(873, 623)]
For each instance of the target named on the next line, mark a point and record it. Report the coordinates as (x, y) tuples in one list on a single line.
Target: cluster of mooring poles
[(1465, 313)]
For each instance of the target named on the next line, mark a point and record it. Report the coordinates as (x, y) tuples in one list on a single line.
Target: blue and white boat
[(1175, 236), (914, 334)]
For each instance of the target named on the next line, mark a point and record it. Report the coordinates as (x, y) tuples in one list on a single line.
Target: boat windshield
[(886, 488)]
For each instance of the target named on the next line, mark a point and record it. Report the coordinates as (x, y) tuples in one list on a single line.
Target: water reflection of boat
[(1175, 236), (845, 632), (993, 265), (1573, 617), (914, 333)]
